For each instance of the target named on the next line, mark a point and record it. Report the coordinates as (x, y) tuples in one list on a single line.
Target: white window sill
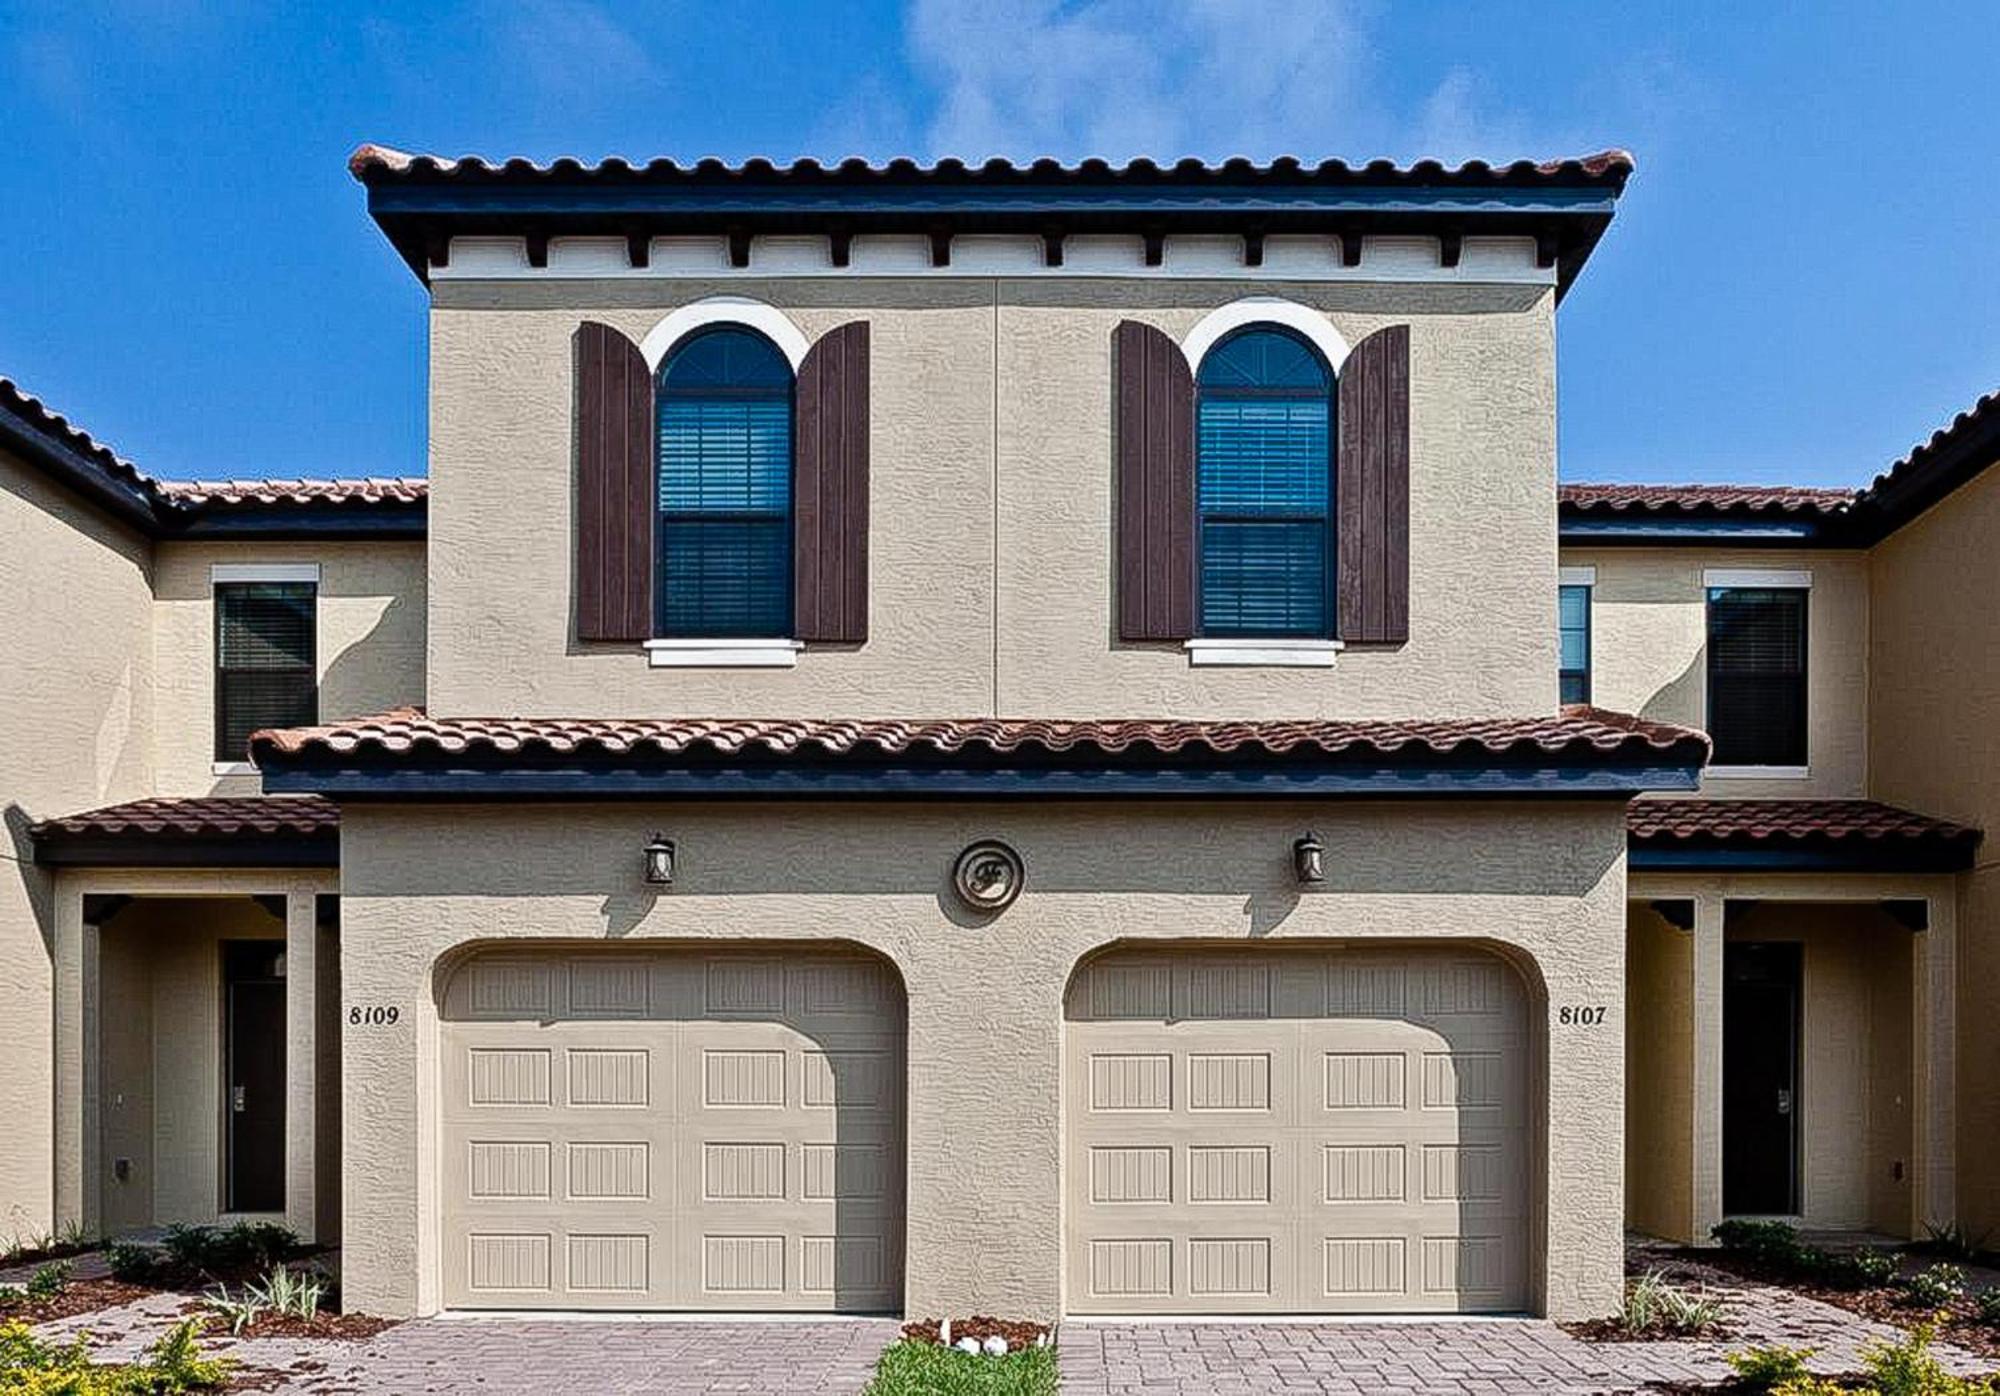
[(1250, 653), (233, 768), (1759, 772), (723, 654)]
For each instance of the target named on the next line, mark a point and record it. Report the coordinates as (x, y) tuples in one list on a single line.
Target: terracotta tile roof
[(1704, 498), (202, 816), (371, 489), (1793, 823), (375, 163), (1578, 731)]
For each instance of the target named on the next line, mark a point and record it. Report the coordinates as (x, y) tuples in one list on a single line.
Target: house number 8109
[(377, 1017), (1579, 1016)]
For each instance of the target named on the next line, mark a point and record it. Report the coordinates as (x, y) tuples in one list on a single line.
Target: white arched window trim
[(1264, 310), (767, 320)]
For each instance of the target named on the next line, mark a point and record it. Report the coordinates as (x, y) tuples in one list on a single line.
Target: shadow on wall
[(37, 884), (1684, 699)]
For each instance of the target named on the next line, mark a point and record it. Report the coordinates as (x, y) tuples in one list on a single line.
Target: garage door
[(673, 1130), (1297, 1132)]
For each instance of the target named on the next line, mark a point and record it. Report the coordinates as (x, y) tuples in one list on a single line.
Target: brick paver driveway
[(683, 1358)]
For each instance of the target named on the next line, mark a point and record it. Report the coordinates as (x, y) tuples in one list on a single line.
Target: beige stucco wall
[(1649, 638), (1659, 1076), (985, 998), (162, 1088), (370, 643), (76, 699), (1855, 1060), (1934, 712), (991, 498)]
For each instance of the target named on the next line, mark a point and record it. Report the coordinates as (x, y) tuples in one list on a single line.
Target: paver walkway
[(681, 1358)]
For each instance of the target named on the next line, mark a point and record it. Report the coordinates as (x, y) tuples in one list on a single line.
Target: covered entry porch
[(1791, 1022), (197, 1051)]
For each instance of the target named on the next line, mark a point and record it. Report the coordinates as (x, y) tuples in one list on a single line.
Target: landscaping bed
[(1017, 1334), (71, 1298)]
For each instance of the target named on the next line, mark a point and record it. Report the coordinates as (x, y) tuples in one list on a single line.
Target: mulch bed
[(1960, 1326), (1019, 1333), (62, 1250), (346, 1328), (77, 1297), (1610, 1330)]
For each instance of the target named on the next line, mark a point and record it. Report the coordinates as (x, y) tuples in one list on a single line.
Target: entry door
[(253, 1104), (1760, 1066)]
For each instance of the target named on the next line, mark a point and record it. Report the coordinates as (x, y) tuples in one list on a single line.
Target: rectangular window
[(266, 660), (1573, 622), (1757, 675), (725, 516), (1263, 498)]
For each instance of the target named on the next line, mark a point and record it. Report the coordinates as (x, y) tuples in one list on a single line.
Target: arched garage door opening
[(1344, 1129), (640, 1127)]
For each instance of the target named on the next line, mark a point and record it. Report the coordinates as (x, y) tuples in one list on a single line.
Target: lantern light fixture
[(660, 857), (1309, 858)]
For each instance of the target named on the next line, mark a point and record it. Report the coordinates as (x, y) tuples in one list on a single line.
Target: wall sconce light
[(1309, 858), (660, 861)]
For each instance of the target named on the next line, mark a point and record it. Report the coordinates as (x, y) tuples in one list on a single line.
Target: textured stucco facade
[(1934, 712), (1545, 886), (990, 538), (76, 691)]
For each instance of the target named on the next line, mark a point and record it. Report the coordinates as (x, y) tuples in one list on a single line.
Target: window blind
[(1573, 624), (265, 661), (1263, 482), (1757, 675), (725, 489)]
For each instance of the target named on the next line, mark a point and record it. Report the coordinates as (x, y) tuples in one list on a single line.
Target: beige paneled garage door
[(1297, 1132), (673, 1130)]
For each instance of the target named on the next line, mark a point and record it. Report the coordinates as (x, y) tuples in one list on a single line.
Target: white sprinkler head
[(996, 1346), (970, 1345)]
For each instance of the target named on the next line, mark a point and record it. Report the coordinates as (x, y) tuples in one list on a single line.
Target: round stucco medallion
[(988, 875)]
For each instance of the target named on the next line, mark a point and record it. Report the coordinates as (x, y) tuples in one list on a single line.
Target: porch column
[(1710, 916), (1933, 974), (301, 1085), (75, 1134)]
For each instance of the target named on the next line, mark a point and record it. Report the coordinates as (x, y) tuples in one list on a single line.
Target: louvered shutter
[(1155, 454), (614, 487), (830, 520), (1372, 477)]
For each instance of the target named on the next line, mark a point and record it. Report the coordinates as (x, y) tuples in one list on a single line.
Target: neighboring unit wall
[(1649, 651), (1934, 728), (370, 643), (990, 542), (985, 993), (1659, 1077), (76, 707)]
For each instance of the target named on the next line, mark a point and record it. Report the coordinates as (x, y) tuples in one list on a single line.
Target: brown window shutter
[(1373, 488), (1155, 450), (830, 489), (614, 487)]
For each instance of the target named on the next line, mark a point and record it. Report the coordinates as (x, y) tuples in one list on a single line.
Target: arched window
[(724, 487), (1264, 486)]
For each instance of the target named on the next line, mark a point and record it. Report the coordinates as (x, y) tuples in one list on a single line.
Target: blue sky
[(1799, 286)]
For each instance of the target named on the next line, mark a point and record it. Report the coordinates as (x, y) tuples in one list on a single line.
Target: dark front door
[(253, 1081), (1760, 1078)]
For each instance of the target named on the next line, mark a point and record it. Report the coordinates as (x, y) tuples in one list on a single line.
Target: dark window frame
[(1327, 518), (219, 672), (1563, 673), (1797, 754), (665, 518)]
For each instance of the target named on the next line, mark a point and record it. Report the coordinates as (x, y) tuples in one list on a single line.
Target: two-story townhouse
[(992, 737)]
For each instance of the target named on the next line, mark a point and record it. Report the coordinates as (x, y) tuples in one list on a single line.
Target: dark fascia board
[(792, 781), (1691, 530), (302, 522), (1930, 472), (127, 501), (420, 217), (138, 850), (1859, 856)]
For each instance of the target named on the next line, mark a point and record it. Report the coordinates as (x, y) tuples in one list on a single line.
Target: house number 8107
[(1580, 1016), (377, 1017)]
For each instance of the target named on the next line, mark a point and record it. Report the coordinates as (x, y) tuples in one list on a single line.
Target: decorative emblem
[(988, 875)]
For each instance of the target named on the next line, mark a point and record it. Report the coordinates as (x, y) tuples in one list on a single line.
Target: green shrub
[(193, 1251), (135, 1265), (1770, 1242), (1935, 1287), (49, 1280), (1761, 1369), (1654, 1304), (1987, 1306), (1951, 1241), (1875, 1268), (172, 1366)]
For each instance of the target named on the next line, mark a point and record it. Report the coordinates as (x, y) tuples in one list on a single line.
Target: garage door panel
[(1301, 1131), (737, 1143)]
